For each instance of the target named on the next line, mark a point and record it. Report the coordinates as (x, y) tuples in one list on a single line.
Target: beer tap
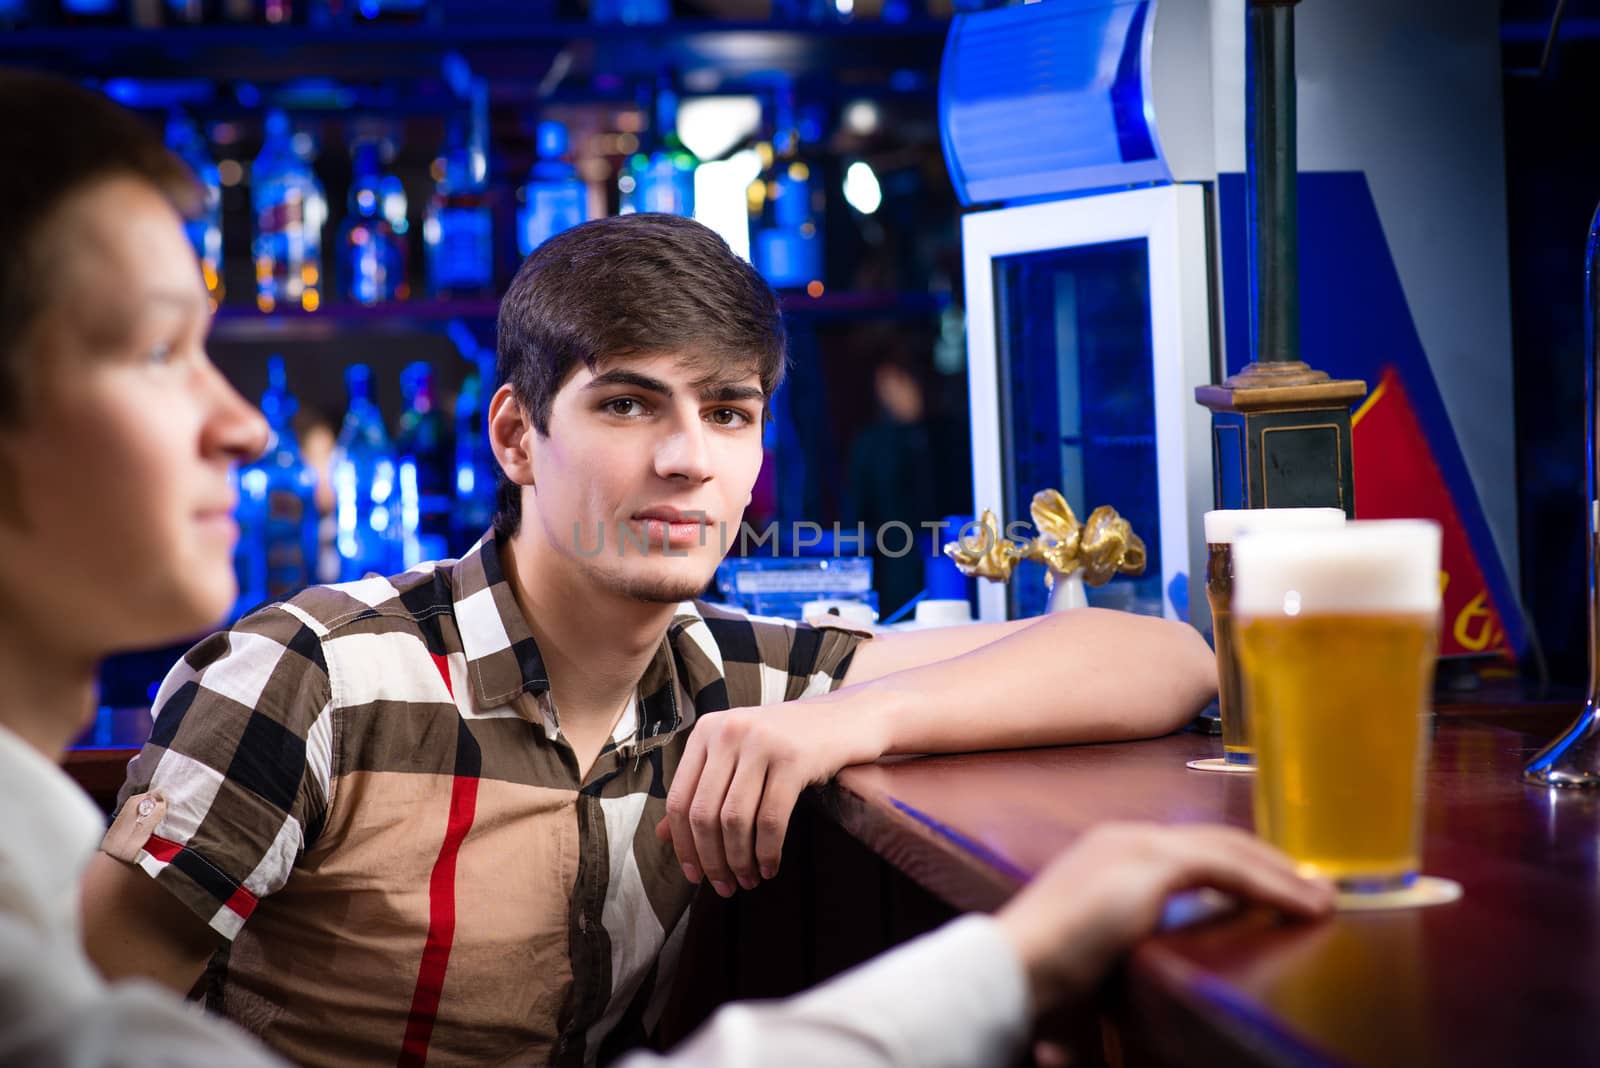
[(1573, 759)]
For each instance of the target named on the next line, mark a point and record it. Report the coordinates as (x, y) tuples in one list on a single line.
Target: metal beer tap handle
[(1574, 758)]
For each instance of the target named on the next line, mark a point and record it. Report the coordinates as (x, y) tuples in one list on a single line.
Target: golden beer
[(1340, 714), (1236, 748), (1337, 634), (1222, 526)]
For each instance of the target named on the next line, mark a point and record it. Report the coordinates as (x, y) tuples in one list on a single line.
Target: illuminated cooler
[(1087, 332)]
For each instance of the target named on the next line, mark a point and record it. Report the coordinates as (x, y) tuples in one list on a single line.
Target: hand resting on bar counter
[(967, 993)]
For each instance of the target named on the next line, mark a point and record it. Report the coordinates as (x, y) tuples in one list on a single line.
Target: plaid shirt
[(365, 790)]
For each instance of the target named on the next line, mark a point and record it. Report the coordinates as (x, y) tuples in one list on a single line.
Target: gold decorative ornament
[(1097, 550)]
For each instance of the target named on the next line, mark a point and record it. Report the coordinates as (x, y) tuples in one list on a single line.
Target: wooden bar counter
[(1509, 975)]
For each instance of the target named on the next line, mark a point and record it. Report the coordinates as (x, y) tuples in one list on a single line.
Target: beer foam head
[(1226, 525), (1388, 565)]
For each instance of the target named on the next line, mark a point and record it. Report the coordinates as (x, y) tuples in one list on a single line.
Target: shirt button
[(583, 922)]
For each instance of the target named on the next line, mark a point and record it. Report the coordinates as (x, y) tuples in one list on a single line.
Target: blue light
[(1080, 63)]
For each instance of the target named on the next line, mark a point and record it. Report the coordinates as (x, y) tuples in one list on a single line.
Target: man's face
[(115, 507), (656, 456)]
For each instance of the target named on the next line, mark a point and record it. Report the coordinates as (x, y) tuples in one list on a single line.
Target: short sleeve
[(766, 660), (233, 784)]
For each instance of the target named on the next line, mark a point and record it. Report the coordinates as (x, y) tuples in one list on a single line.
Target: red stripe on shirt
[(242, 902), (162, 849), (443, 664), (441, 926)]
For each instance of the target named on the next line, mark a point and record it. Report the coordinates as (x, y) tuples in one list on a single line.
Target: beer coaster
[(1220, 764), (1427, 890)]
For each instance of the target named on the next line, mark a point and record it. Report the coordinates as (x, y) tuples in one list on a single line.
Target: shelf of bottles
[(453, 149)]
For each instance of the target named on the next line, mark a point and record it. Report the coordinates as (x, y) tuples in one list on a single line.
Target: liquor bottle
[(811, 11), (365, 494), (249, 552), (281, 489), (392, 197), (187, 12), (457, 231), (94, 12), (475, 466), (270, 12), (786, 203), (372, 258), (630, 12), (289, 210), (205, 229), (425, 458), (661, 179), (390, 10), (554, 198)]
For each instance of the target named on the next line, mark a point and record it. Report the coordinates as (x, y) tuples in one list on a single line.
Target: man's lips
[(669, 526), (672, 515), (219, 520)]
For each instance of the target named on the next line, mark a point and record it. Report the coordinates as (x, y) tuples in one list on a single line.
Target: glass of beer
[(1222, 527), (1337, 632)]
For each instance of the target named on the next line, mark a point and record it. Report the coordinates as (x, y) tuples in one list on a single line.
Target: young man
[(116, 435), (458, 815)]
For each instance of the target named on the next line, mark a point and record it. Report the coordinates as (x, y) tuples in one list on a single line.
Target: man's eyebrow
[(729, 391), (712, 390), (622, 377), (113, 321), (182, 299)]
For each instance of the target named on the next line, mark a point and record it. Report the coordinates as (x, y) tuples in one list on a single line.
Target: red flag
[(1397, 477)]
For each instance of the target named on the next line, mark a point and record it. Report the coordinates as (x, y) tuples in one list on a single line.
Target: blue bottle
[(185, 12), (554, 198), (662, 179), (372, 258), (786, 206), (391, 10), (475, 468), (93, 12), (423, 447), (205, 229), (457, 232), (281, 489), (630, 12), (289, 210), (392, 195), (365, 489), (249, 552)]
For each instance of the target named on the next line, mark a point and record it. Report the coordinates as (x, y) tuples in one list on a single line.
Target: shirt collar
[(55, 829), (503, 660)]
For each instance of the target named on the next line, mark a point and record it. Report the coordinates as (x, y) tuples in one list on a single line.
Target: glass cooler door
[(1088, 331)]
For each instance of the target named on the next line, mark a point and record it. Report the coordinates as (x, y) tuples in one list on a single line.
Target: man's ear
[(511, 435)]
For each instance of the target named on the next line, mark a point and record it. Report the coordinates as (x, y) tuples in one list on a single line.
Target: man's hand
[(741, 773), (1094, 902)]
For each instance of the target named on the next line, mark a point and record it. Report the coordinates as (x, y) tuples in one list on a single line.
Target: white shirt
[(955, 997), (55, 1010)]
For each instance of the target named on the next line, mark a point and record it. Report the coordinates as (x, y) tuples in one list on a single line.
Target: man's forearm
[(1082, 676)]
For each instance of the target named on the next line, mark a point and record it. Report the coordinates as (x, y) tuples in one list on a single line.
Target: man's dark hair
[(57, 139), (628, 286)]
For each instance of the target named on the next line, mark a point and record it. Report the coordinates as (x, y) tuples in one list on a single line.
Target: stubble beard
[(655, 589)]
